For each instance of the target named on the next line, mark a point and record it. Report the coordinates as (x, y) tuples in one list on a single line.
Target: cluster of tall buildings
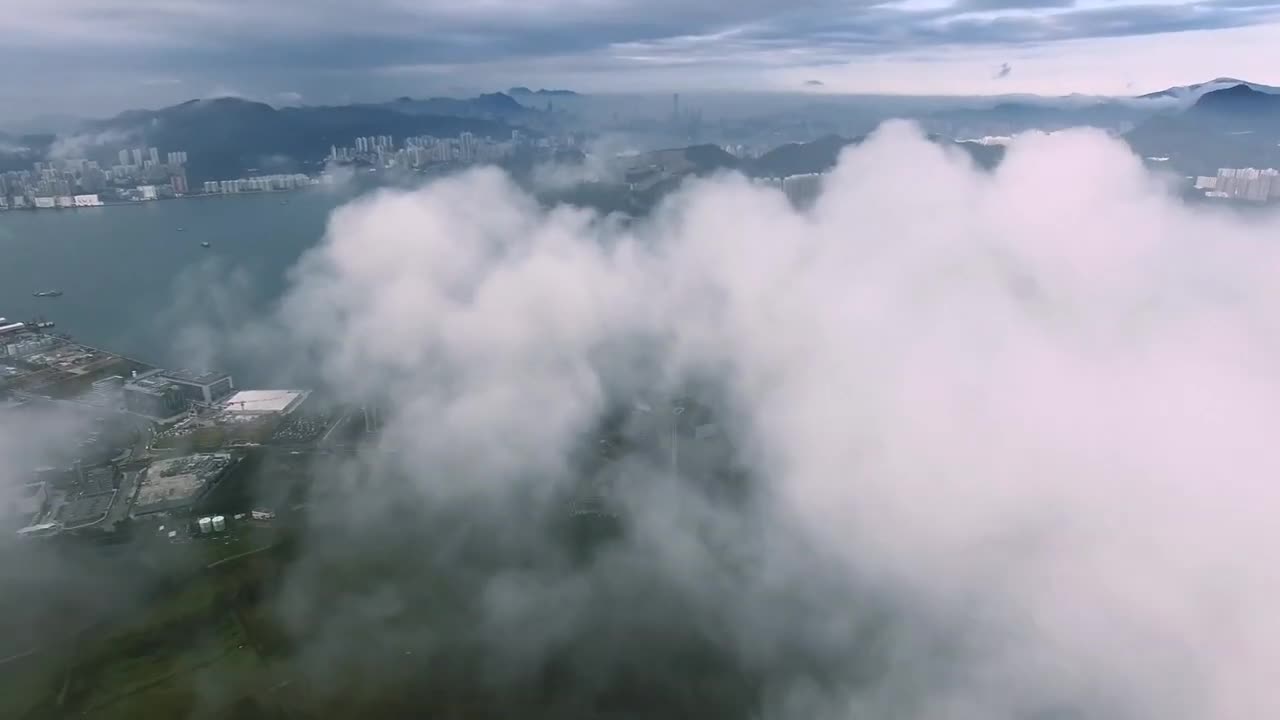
[(1242, 184), (264, 183), (79, 182), (423, 150), (373, 143)]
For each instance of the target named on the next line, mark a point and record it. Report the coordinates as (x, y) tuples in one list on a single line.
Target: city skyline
[(100, 62)]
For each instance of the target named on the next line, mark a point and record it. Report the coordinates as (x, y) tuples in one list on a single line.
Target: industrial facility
[(257, 403), (179, 483), (153, 395), (200, 387)]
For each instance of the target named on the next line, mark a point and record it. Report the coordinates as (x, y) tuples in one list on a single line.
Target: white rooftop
[(262, 402)]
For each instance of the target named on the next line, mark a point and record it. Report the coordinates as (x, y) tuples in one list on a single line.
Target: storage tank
[(219, 523), (206, 524)]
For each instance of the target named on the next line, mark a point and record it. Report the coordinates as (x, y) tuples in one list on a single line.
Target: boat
[(47, 293), (179, 229), (204, 244)]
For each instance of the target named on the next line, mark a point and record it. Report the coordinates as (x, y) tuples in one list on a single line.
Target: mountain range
[(817, 156), (1194, 92), (522, 91), (493, 106), (1219, 123), (1235, 126), (226, 137)]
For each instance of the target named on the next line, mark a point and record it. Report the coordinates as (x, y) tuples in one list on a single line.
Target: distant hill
[(1236, 126), (1012, 117), (821, 155), (518, 91), (226, 137), (1196, 91), (802, 158), (1240, 101), (710, 158), (493, 106)]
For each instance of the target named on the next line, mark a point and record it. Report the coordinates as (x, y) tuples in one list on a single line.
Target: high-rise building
[(467, 147), (124, 156), (179, 183), (154, 154), (137, 157)]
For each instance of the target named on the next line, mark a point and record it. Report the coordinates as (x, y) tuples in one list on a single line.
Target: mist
[(990, 444), (947, 442)]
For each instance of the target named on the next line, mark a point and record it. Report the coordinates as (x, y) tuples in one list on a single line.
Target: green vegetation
[(192, 651)]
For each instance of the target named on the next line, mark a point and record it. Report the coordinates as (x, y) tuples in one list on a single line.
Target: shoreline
[(140, 203)]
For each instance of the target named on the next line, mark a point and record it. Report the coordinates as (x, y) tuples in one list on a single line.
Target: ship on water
[(47, 293)]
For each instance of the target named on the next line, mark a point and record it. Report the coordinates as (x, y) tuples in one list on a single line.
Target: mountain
[(802, 158), (518, 91), (1236, 126), (821, 155), (1009, 117), (1191, 93), (710, 158), (496, 106), (227, 137), (1240, 101)]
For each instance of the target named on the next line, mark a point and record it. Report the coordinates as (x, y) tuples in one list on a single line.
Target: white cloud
[(1030, 410)]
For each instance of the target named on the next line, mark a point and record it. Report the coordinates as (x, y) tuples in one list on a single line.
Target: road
[(119, 510)]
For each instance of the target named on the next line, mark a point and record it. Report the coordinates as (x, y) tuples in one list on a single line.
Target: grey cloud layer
[(327, 36)]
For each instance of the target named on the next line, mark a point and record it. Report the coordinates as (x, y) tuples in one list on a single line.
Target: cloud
[(317, 48), (49, 590), (972, 461), (78, 145), (1003, 71), (962, 6), (599, 164)]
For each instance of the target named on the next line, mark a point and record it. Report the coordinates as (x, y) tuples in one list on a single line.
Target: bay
[(133, 276)]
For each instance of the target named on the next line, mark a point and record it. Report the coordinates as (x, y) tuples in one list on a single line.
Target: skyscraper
[(467, 146), (137, 157), (155, 155), (124, 157)]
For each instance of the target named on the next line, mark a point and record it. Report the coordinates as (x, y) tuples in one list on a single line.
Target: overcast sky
[(101, 56)]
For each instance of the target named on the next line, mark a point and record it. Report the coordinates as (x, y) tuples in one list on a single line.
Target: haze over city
[(599, 359)]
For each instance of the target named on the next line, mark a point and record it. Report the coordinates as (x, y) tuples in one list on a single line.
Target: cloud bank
[(988, 445), (105, 56)]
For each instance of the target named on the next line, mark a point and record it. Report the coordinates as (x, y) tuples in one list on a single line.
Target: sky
[(102, 56)]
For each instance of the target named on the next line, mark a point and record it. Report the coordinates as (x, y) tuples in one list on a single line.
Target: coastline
[(141, 203)]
